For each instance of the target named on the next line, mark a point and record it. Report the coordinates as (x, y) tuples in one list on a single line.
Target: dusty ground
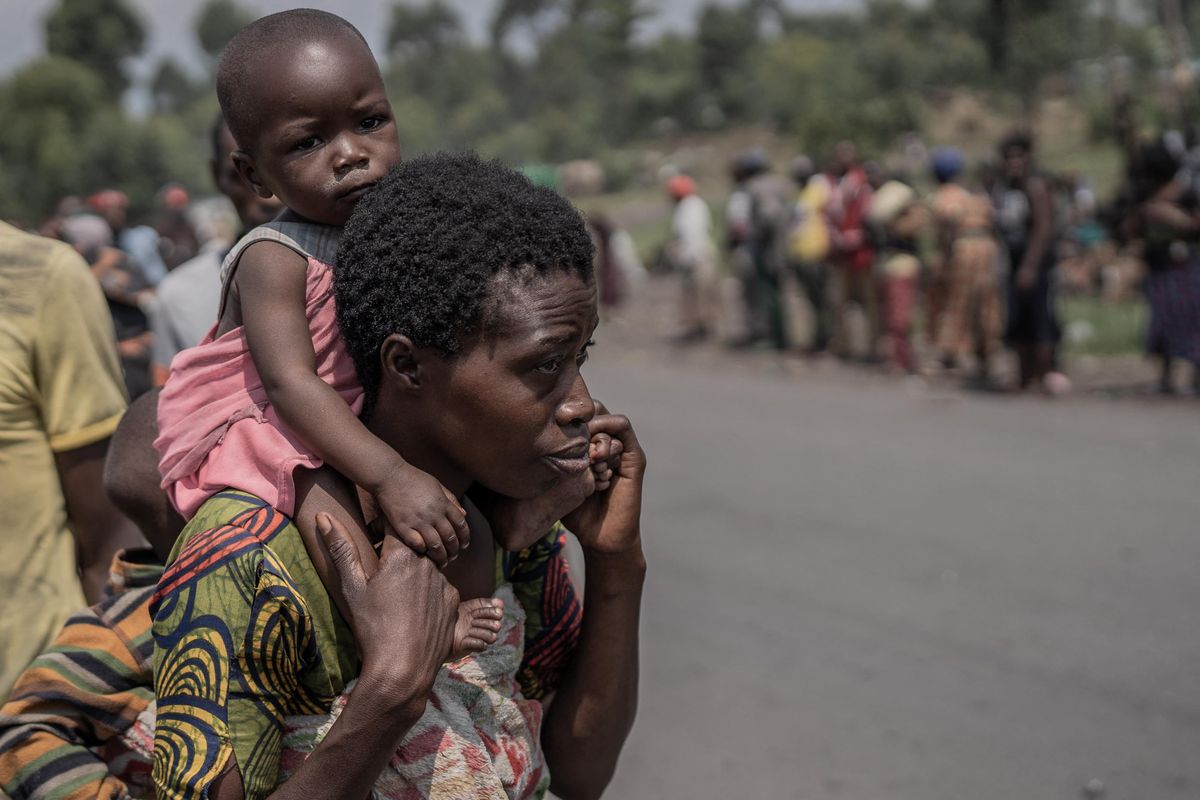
[(866, 588)]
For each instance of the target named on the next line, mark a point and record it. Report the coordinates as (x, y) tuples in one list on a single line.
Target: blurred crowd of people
[(942, 272), (94, 275), (160, 274), (924, 273)]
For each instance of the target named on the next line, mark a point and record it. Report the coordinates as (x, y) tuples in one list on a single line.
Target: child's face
[(327, 133)]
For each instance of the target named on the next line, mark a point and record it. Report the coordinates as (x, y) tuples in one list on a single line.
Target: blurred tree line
[(564, 79)]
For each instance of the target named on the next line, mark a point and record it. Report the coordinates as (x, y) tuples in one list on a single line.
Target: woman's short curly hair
[(420, 252)]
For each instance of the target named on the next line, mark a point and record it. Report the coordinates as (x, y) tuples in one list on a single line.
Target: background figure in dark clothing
[(127, 295), (610, 281), (770, 212), (1170, 222), (1025, 217), (737, 242)]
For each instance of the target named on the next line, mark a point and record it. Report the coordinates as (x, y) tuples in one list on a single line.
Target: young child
[(272, 389)]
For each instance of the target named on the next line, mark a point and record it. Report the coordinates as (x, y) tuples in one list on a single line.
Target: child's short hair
[(419, 253), (264, 39)]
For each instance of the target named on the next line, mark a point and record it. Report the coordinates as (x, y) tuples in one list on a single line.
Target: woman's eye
[(307, 143), (548, 368), (582, 358)]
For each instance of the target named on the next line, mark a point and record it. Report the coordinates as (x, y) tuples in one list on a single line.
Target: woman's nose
[(577, 407)]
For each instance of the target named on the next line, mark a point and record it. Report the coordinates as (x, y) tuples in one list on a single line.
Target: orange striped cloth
[(70, 730)]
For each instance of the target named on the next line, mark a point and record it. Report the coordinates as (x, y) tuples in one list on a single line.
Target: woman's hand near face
[(402, 609), (609, 521), (593, 710)]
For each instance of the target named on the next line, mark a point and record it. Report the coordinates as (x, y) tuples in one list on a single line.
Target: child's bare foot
[(477, 627)]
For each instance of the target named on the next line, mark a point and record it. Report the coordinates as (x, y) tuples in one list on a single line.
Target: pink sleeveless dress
[(217, 428)]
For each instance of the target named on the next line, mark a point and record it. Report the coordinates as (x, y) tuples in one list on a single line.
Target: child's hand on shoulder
[(423, 514)]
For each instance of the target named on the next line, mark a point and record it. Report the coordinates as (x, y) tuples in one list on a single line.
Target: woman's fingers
[(434, 549), (410, 537), (344, 553)]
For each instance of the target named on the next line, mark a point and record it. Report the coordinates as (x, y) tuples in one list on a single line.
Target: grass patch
[(1096, 327)]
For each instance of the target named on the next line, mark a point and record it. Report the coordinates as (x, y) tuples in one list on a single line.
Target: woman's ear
[(245, 167), (400, 362)]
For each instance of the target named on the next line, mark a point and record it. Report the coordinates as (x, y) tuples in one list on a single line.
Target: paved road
[(861, 589)]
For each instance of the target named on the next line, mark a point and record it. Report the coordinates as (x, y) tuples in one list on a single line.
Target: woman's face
[(512, 409)]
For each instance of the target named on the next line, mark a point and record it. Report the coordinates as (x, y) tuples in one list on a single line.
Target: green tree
[(62, 136), (48, 107), (218, 22), (440, 84), (664, 86), (579, 81), (100, 34), (727, 38), (420, 42), (513, 13), (172, 89), (423, 32)]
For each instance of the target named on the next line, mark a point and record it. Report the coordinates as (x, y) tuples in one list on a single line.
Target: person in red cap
[(691, 254), (177, 238)]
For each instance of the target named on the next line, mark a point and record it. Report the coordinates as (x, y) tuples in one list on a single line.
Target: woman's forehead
[(543, 303)]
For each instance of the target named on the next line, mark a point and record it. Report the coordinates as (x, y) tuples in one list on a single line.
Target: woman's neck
[(407, 440)]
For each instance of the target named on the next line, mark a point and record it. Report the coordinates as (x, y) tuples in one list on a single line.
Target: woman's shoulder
[(232, 544), (240, 561)]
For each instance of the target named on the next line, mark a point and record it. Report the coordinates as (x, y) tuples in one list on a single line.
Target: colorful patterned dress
[(248, 645)]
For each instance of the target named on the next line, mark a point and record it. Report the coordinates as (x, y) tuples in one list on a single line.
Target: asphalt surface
[(863, 588)]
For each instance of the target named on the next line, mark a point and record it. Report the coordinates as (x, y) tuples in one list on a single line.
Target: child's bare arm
[(271, 290)]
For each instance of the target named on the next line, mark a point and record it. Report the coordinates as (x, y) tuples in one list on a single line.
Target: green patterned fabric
[(245, 635)]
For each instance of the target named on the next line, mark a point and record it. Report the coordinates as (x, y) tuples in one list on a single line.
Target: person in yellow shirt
[(61, 397), (809, 246)]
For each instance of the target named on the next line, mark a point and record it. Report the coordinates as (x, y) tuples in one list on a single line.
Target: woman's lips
[(571, 461)]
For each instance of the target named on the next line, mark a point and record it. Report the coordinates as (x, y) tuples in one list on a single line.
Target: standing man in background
[(1025, 218), (692, 254), (808, 245), (853, 258), (971, 311), (737, 241), (61, 397), (771, 206), (138, 275)]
